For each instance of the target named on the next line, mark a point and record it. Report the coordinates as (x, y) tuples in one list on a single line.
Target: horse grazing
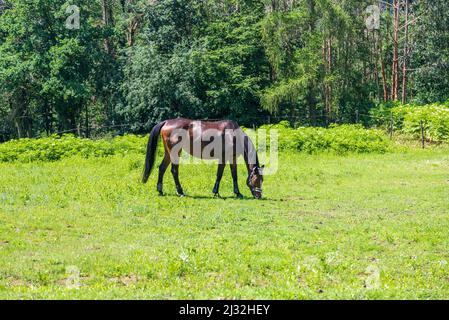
[(224, 141)]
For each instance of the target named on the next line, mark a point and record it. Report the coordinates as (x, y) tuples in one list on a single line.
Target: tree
[(50, 74), (26, 35), (317, 62), (431, 55), (395, 67), (135, 62), (159, 80), (231, 66)]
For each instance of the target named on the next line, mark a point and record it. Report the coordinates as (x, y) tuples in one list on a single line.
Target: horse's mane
[(250, 151)]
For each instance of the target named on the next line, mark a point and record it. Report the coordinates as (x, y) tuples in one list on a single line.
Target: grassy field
[(358, 226)]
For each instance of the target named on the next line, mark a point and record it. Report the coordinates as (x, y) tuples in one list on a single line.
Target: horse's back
[(183, 122)]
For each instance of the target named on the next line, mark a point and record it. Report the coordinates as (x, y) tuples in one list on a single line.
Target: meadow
[(355, 226)]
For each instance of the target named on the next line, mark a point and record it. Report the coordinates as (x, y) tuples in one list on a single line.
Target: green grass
[(328, 228)]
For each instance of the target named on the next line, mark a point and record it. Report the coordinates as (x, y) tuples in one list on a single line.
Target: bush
[(57, 147), (434, 117), (338, 139), (407, 119)]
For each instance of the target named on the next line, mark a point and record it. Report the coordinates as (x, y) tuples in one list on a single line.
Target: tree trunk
[(327, 56), (376, 58), (404, 67), (384, 78), (87, 120), (133, 28), (48, 126), (19, 129), (108, 19), (311, 100), (395, 66)]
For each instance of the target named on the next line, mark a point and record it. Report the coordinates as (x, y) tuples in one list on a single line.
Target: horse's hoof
[(217, 196), (239, 196), (161, 194), (182, 195)]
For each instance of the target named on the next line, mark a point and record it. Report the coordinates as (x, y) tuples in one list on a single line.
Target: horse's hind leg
[(235, 180), (219, 177), (162, 169), (175, 158), (175, 172), (221, 167)]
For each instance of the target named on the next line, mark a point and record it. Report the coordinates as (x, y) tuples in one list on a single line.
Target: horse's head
[(255, 181)]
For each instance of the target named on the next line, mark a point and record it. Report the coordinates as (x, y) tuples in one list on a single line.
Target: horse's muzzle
[(257, 193)]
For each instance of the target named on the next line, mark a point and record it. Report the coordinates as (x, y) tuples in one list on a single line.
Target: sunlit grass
[(359, 226)]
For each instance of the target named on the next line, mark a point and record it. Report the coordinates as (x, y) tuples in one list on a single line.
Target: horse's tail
[(151, 151)]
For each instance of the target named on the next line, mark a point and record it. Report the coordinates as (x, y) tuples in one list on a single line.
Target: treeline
[(131, 63)]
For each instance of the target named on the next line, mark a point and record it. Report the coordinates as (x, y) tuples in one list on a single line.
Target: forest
[(106, 66)]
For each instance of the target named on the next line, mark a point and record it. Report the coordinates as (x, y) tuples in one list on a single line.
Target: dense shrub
[(407, 119), (57, 147), (434, 117), (338, 139)]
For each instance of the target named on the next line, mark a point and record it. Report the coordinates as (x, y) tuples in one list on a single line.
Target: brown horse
[(223, 141)]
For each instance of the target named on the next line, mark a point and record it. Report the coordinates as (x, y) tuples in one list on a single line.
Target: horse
[(223, 140)]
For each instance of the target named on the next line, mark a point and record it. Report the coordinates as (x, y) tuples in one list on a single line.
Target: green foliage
[(231, 67), (286, 92), (407, 119), (381, 115), (134, 63), (434, 118), (315, 64), (430, 52), (194, 66), (158, 87), (336, 139), (56, 148), (49, 74)]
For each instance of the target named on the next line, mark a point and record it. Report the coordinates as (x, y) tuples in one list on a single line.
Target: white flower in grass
[(373, 279), (184, 257), (73, 279)]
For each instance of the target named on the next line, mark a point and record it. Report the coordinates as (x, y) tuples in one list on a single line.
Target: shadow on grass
[(199, 197)]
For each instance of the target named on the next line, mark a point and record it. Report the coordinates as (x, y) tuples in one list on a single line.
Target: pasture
[(356, 226)]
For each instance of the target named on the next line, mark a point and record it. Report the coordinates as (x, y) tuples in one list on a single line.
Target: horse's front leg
[(219, 177), (235, 180)]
